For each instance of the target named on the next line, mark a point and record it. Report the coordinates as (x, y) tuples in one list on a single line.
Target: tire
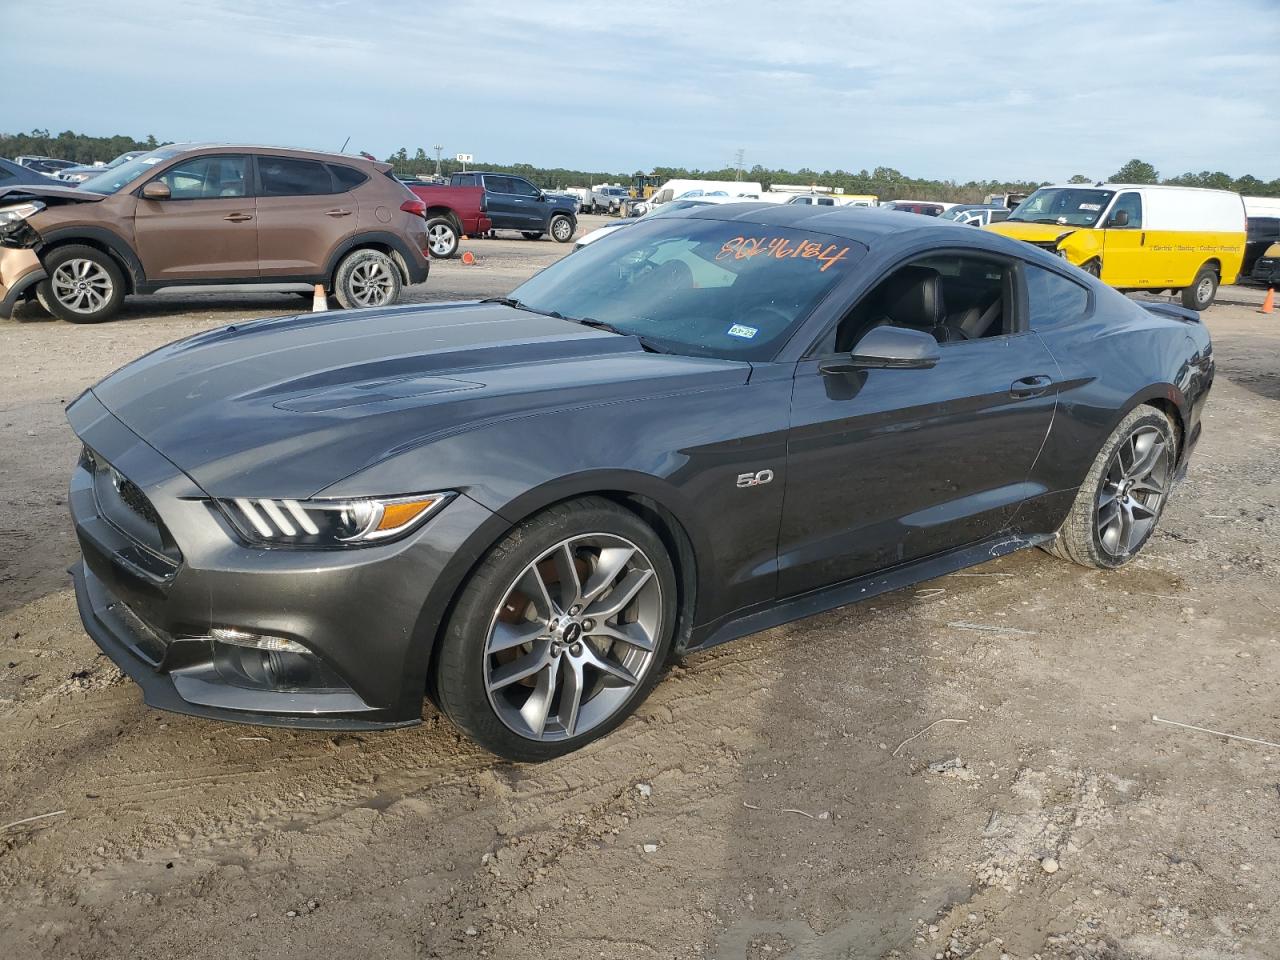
[(84, 284), (561, 228), (1083, 537), (1093, 268), (366, 278), (531, 234), (495, 606), (1204, 288), (443, 238)]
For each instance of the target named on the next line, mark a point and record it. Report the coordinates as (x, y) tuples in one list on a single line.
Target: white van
[(1138, 236)]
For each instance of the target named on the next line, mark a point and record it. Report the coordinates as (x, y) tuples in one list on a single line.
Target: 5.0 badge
[(755, 479)]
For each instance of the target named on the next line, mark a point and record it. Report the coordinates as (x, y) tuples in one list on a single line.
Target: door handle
[(238, 217), (337, 213), (1032, 386)]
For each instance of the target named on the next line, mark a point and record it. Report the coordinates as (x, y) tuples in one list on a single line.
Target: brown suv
[(205, 217)]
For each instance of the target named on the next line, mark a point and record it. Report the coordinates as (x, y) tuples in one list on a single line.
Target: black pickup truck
[(513, 203)]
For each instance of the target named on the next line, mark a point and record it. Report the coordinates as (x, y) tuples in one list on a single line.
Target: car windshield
[(1065, 205), (694, 286), (117, 178), (957, 213)]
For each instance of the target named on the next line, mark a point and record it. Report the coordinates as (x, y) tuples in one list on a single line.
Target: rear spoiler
[(1170, 310)]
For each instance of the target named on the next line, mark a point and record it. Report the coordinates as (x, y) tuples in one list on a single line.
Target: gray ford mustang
[(700, 427)]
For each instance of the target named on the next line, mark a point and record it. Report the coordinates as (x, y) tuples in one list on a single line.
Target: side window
[(347, 178), (522, 188), (498, 184), (288, 177), (1053, 299), (464, 180), (826, 202), (6, 175), (954, 297), (1130, 203), (206, 178)]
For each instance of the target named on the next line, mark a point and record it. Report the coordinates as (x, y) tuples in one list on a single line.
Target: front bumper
[(161, 569), (20, 271)]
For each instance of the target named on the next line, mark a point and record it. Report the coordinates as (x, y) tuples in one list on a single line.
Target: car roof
[(870, 226), (352, 158)]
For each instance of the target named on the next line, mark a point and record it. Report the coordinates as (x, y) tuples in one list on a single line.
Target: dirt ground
[(771, 799)]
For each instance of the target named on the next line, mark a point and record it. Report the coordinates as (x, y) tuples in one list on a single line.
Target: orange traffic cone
[(320, 301), (468, 258), (1269, 304)]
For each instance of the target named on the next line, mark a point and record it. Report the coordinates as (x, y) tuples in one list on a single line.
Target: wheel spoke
[(521, 667), (571, 697), (610, 563), (1126, 528), (629, 633), (622, 594), (1148, 453), (507, 636), (534, 587), (567, 571), (602, 663), (538, 706)]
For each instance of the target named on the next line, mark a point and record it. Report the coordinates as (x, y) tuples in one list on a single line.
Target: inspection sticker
[(745, 332), (1091, 206)]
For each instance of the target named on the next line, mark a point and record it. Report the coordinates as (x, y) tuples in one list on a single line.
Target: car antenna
[(344, 144)]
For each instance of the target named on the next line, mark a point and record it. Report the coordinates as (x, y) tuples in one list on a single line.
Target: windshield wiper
[(595, 324), (511, 302)]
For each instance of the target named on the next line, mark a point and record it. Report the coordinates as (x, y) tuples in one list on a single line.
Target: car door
[(1124, 257), (505, 208), (207, 228), (532, 209), (303, 214), (887, 466)]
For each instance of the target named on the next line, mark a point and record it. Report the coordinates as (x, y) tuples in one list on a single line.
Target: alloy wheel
[(441, 240), (82, 286), (573, 637), (561, 229), (371, 283), (1133, 491)]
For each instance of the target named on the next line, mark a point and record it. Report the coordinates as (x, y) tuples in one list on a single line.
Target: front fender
[(1081, 246)]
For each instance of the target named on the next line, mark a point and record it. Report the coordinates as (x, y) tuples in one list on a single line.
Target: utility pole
[(738, 159), (438, 149)]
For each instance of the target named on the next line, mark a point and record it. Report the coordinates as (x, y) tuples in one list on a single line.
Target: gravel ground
[(765, 802)]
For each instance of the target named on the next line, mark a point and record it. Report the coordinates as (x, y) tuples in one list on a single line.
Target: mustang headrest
[(912, 297)]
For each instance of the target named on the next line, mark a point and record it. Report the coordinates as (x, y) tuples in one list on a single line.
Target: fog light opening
[(268, 662)]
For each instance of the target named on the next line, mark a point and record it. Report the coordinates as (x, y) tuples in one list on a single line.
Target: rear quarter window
[(346, 178), (1053, 300)]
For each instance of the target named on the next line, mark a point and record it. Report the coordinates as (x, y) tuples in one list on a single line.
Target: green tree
[(1080, 178), (1136, 171)]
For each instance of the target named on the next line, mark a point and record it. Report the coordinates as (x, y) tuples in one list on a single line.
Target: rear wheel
[(1120, 502), (1204, 288), (561, 228), (366, 278), (442, 238), (560, 633), (84, 284)]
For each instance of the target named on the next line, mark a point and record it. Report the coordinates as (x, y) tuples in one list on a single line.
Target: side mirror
[(888, 348), (156, 190), (1119, 219)]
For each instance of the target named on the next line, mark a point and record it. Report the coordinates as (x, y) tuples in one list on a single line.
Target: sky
[(1002, 90)]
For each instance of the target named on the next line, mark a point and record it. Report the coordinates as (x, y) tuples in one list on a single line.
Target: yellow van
[(1137, 237)]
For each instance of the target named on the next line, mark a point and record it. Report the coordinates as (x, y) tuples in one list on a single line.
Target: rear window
[(289, 177), (1264, 228), (346, 178)]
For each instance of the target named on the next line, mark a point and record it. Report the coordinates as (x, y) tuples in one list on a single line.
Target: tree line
[(884, 182)]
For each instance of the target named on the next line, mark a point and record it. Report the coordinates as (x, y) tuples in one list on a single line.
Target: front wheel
[(442, 238), (560, 633), (561, 229), (366, 278), (1118, 505), (1204, 288), (84, 285)]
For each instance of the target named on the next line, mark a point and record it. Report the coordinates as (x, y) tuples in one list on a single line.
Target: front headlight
[(19, 211), (329, 523)]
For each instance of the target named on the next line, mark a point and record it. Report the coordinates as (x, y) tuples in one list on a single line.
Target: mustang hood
[(286, 407)]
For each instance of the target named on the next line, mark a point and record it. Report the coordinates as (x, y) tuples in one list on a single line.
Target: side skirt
[(862, 588)]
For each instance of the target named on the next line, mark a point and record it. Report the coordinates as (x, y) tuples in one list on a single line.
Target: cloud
[(1010, 88)]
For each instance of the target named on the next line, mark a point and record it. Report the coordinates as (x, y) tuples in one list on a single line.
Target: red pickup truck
[(452, 213)]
